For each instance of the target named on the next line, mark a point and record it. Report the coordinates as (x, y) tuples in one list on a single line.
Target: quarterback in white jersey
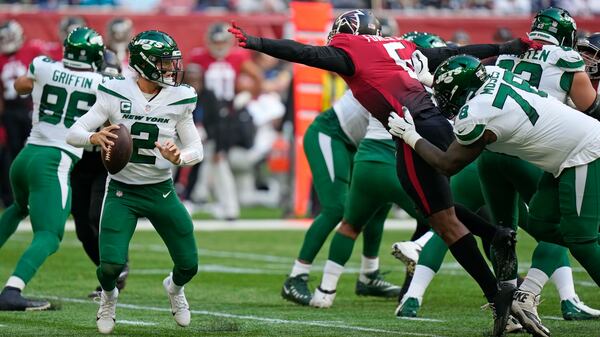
[(156, 109), (62, 92), (501, 112)]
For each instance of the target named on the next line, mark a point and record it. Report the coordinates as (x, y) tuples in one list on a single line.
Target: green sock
[(433, 253), (9, 222), (44, 244), (548, 257), (318, 232), (340, 249), (588, 254), (108, 273), (373, 232)]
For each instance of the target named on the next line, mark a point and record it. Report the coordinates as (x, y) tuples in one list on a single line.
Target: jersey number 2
[(151, 130), (392, 48)]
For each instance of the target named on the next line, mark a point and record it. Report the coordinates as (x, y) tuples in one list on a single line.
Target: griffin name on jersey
[(148, 121), (550, 68), (60, 96), (528, 124)]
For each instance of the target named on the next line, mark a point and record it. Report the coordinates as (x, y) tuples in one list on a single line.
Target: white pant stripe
[(580, 178), (327, 151), (63, 177)]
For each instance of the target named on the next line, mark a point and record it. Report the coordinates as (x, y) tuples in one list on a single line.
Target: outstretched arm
[(323, 57), (448, 162), (436, 56)]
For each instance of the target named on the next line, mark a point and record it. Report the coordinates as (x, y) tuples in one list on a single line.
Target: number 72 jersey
[(528, 124)]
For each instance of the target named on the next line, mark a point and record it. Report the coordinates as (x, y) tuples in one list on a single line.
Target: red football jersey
[(383, 79), (15, 65), (220, 75)]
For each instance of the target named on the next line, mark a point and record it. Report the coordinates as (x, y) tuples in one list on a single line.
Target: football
[(118, 155)]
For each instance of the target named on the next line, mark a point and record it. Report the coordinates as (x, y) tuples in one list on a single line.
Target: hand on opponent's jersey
[(169, 151), (244, 40), (519, 46), (404, 127), (104, 136)]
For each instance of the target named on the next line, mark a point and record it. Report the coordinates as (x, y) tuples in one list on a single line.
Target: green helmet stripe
[(472, 136), (185, 101), (562, 63), (110, 92), (31, 68)]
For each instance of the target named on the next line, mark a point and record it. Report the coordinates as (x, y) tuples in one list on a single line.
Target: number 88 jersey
[(60, 96), (550, 69)]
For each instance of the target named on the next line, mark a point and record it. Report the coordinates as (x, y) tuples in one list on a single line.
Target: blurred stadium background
[(255, 166)]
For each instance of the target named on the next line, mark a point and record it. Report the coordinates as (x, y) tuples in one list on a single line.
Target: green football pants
[(39, 178), (123, 205), (565, 211), (329, 154)]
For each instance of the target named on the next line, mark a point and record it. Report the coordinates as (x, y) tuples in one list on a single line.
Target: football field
[(237, 290)]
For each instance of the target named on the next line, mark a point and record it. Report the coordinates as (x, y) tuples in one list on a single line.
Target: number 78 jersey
[(528, 124)]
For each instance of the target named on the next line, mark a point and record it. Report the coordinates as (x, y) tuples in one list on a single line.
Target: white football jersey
[(528, 123), (147, 121), (353, 117), (60, 96), (550, 69)]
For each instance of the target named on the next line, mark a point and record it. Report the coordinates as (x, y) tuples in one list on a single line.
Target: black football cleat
[(504, 253), (501, 307), (11, 300)]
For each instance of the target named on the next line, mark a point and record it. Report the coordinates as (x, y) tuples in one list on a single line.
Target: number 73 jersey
[(159, 119), (528, 124), (60, 96)]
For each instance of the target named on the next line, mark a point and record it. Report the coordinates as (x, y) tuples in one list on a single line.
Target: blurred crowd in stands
[(244, 112), (515, 7)]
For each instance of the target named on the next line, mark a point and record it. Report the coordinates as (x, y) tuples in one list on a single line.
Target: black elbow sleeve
[(594, 109)]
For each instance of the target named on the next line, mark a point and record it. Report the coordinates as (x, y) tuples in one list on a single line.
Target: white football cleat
[(524, 309), (105, 318), (407, 252), (179, 305), (322, 298)]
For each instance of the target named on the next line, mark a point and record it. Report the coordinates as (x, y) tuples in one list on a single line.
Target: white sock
[(172, 288), (368, 265), (423, 239), (512, 282), (300, 268), (563, 279), (331, 275), (421, 279), (111, 294), (534, 282), (15, 282)]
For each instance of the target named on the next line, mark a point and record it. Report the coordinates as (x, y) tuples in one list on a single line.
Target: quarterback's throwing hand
[(404, 127), (169, 151)]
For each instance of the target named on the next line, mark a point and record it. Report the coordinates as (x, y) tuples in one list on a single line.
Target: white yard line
[(242, 225), (140, 323), (554, 318), (421, 319), (254, 318)]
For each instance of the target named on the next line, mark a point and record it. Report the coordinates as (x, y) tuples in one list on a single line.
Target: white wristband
[(411, 138)]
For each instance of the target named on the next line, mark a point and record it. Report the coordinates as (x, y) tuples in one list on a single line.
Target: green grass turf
[(241, 304)]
